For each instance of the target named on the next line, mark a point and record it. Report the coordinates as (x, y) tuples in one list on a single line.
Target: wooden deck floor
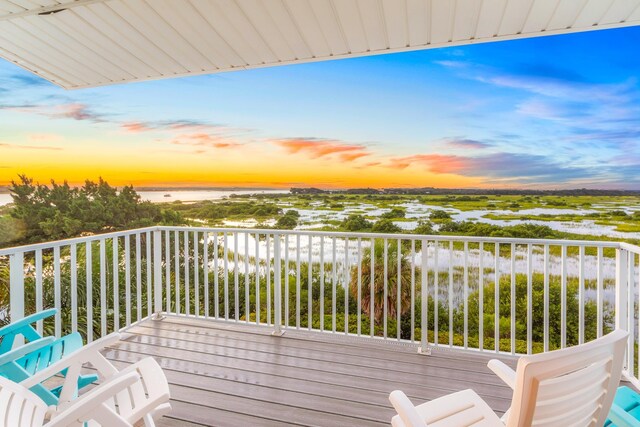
[(225, 374)]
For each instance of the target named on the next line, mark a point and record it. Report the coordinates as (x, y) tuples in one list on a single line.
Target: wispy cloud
[(465, 143), (73, 111), (319, 148), (5, 145)]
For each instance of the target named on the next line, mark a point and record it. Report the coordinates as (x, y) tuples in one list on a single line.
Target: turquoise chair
[(625, 411), (22, 362)]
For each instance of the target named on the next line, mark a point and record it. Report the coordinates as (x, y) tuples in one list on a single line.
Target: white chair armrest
[(93, 405), (73, 362), (503, 372), (405, 409)]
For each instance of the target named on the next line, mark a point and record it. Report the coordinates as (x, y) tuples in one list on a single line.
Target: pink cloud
[(436, 163), (319, 148), (205, 140)]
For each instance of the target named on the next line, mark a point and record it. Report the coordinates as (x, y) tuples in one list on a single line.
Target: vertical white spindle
[(496, 299), (149, 277), (39, 308), (334, 273), (57, 292), (465, 304), (529, 298), (512, 299), (226, 275), (385, 285), (322, 283), (372, 289), (298, 286), (631, 313), (127, 279), (216, 273), (399, 291), (599, 293), (436, 291), (563, 296), (257, 275), (346, 285), (187, 277), (413, 289), (205, 267), (581, 295), (424, 302), (16, 290), (450, 293), (546, 298), (103, 287), (286, 280), (89, 284), (246, 278), (277, 307), (116, 285), (268, 273), (310, 285), (176, 268), (167, 269), (236, 279), (157, 273), (138, 278), (359, 296), (196, 273), (73, 263), (481, 297)]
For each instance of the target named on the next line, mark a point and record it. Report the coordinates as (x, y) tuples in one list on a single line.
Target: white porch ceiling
[(85, 43)]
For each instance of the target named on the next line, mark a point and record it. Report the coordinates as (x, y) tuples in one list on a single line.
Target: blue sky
[(550, 112)]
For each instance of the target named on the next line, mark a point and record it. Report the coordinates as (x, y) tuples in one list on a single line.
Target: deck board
[(235, 374)]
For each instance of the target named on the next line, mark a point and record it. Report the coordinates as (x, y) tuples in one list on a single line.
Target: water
[(5, 199)]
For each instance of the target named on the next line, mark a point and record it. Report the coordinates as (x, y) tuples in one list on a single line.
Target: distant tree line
[(470, 191)]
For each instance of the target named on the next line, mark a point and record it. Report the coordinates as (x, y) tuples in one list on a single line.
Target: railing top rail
[(446, 238), (439, 238), (67, 242), (629, 247)]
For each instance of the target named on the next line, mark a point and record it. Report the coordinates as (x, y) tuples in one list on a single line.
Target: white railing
[(550, 294)]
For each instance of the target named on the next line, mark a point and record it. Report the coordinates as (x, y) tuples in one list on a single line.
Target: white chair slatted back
[(569, 387), (20, 406)]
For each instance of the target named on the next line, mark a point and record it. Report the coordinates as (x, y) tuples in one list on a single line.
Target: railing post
[(277, 307), (424, 304), (16, 291), (622, 293), (157, 275)]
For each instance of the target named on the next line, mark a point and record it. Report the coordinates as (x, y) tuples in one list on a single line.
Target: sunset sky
[(549, 112)]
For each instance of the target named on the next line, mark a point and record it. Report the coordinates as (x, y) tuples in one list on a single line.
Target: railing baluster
[(359, 301), (116, 285), (16, 291), (599, 294), (450, 295), (138, 278), (268, 273), (385, 276), (103, 287), (205, 266), (196, 274), (413, 289), (310, 286), (127, 279), (546, 298), (322, 283), (631, 312), (399, 292), (581, 295), (39, 308), (149, 277), (496, 299), (73, 264), (216, 288), (481, 297), (563, 296), (334, 273), (226, 275), (372, 288), (157, 274), (298, 286), (176, 270), (236, 279), (277, 267), (187, 277), (346, 285), (246, 278), (257, 262), (89, 284), (436, 291), (57, 291), (465, 269), (512, 299), (529, 297), (286, 281), (424, 301), (167, 268)]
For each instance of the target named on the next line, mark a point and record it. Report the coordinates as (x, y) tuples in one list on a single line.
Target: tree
[(394, 213), (288, 221), (385, 226), (356, 223), (440, 214), (379, 278)]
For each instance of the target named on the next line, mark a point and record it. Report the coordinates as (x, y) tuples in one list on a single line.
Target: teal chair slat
[(18, 364), (625, 411), (22, 327)]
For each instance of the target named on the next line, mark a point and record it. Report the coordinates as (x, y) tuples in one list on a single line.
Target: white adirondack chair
[(570, 387), (136, 401)]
